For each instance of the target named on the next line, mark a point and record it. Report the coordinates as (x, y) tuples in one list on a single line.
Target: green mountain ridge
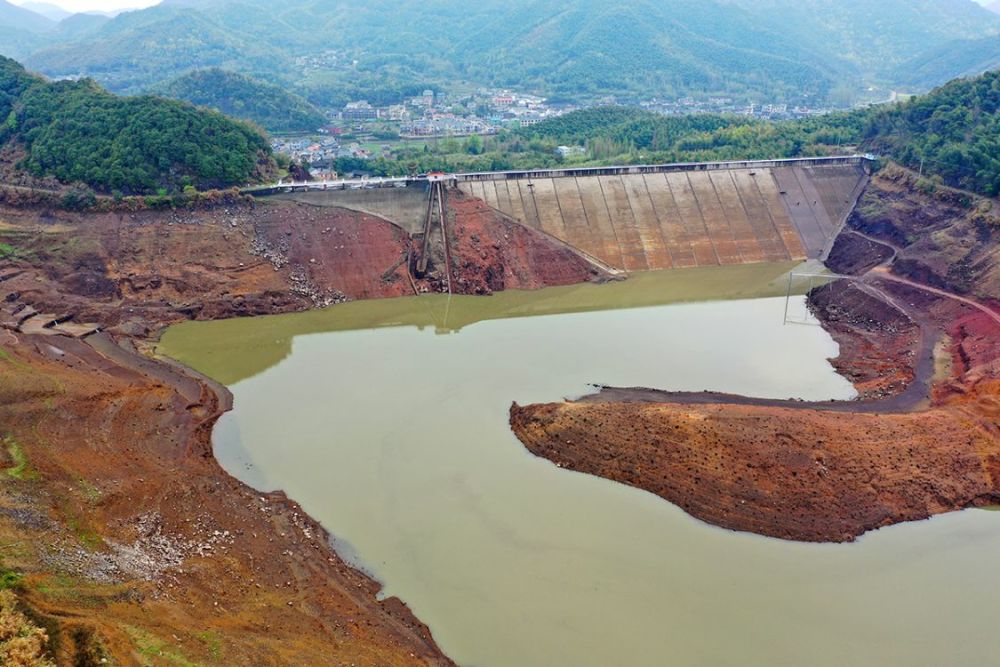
[(960, 58), (76, 131), (135, 49), (79, 25), (876, 36), (952, 132), (686, 46), (19, 43), (240, 96), (792, 50)]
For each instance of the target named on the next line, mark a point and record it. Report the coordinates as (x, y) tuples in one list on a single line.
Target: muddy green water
[(387, 421)]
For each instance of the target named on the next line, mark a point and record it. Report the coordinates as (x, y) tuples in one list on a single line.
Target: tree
[(474, 145)]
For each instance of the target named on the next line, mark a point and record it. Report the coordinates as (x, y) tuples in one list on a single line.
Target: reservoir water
[(387, 421)]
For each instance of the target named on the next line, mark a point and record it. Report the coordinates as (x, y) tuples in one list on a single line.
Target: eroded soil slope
[(134, 272), (927, 271), (133, 541)]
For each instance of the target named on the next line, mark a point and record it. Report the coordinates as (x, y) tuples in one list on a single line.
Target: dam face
[(675, 217)]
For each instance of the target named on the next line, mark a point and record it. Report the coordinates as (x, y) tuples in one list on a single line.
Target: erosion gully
[(388, 422)]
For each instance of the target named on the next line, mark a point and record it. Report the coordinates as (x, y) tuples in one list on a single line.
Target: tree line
[(78, 132)]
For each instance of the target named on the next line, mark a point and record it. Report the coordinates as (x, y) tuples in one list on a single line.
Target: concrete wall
[(682, 218), (407, 207)]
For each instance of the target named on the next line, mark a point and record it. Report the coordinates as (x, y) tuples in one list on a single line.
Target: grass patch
[(155, 651), (9, 579), (89, 492), (10, 251), (16, 365), (11, 359), (212, 642), (22, 468), (873, 208), (60, 586), (87, 536)]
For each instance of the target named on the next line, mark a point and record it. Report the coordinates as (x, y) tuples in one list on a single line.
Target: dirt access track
[(919, 332), (123, 538)]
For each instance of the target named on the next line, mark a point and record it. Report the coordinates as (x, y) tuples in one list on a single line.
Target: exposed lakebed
[(387, 421)]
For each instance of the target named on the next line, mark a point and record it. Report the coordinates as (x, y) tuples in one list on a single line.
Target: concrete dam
[(643, 218), (685, 215)]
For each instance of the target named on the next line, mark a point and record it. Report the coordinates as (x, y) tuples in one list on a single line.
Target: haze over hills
[(955, 59), (77, 25), (49, 11), (30, 26), (685, 45), (769, 49), (875, 36), (20, 18)]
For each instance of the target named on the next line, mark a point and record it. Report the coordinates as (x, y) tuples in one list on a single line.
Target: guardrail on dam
[(681, 215), (619, 170)]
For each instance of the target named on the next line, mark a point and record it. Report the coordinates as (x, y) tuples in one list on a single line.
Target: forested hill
[(953, 132), (620, 134), (77, 132), (239, 96), (137, 49), (591, 46), (806, 51), (959, 58), (876, 35)]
